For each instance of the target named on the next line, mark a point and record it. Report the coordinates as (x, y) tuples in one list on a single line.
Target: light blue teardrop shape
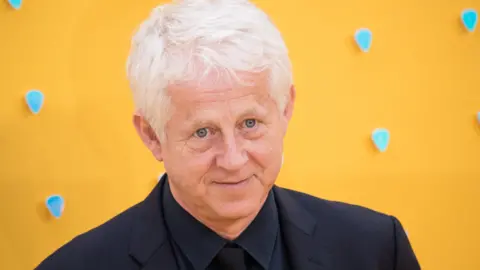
[(363, 37), (470, 19), (381, 138), (16, 4), (34, 99), (478, 117), (55, 205)]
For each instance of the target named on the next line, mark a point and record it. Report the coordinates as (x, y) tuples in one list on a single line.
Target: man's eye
[(201, 133), (250, 123)]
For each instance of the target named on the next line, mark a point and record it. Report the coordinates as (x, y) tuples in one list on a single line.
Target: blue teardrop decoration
[(16, 4), (381, 139), (55, 205), (470, 19), (34, 99), (363, 38)]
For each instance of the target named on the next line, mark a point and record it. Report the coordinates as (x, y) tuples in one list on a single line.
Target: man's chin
[(237, 209)]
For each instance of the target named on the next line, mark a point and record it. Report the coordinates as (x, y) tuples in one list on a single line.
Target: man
[(213, 90)]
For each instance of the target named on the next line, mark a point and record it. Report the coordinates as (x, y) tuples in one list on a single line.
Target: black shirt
[(195, 245)]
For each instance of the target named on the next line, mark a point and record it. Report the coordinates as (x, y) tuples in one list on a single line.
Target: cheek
[(191, 166), (266, 153)]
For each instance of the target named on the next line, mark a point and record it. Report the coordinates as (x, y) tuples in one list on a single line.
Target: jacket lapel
[(162, 259), (302, 234), (149, 244)]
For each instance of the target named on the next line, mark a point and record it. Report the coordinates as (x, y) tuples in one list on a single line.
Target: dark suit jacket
[(319, 234)]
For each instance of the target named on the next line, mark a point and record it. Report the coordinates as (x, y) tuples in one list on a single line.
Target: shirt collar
[(260, 236), (200, 244)]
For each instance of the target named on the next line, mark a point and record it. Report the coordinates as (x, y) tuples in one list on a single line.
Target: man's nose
[(232, 156)]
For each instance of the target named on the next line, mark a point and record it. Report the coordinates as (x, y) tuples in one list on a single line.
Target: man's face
[(223, 145)]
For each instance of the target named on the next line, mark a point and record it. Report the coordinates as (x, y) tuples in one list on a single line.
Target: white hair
[(186, 39)]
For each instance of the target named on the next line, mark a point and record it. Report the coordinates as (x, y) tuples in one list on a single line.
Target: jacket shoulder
[(355, 229), (102, 247), (366, 237), (341, 213)]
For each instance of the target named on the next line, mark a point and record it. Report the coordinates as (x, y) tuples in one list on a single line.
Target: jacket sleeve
[(405, 258)]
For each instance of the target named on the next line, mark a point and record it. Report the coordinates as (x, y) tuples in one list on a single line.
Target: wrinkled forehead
[(215, 97), (219, 86)]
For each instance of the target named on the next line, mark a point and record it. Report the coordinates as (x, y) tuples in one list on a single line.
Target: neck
[(227, 228)]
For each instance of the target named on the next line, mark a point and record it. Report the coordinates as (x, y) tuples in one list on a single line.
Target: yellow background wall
[(420, 80)]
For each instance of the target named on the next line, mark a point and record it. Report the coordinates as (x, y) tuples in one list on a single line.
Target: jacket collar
[(304, 236), (149, 241), (150, 247)]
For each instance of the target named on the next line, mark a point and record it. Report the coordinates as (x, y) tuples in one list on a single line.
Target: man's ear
[(288, 112), (148, 135)]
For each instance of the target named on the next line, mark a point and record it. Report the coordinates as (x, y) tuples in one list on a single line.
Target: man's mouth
[(234, 183)]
